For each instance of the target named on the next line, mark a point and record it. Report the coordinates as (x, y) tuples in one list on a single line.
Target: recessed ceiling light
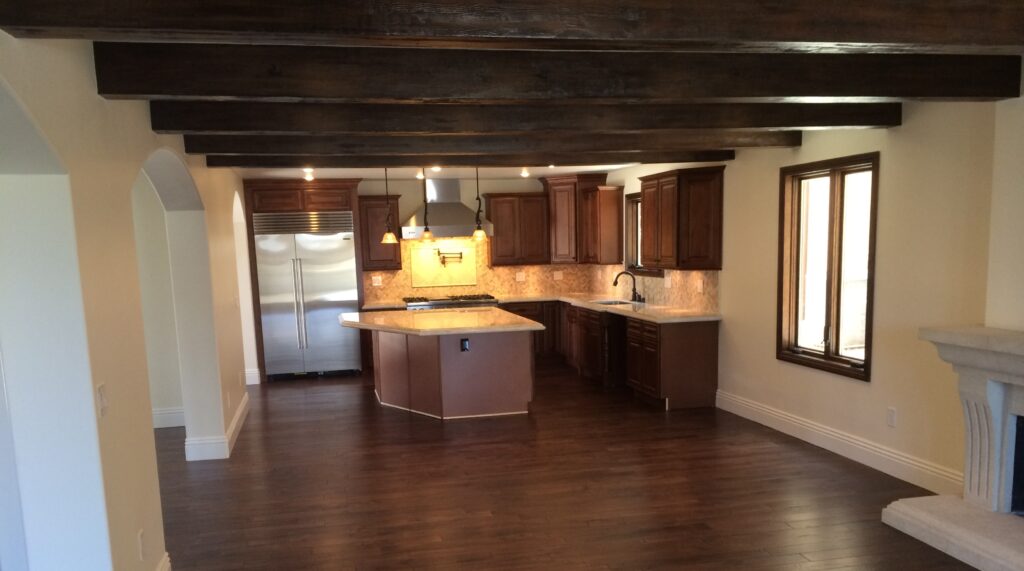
[(435, 168), (308, 173), (420, 175), (524, 173), (551, 166)]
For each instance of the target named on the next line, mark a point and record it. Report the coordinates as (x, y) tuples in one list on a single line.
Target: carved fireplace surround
[(977, 528)]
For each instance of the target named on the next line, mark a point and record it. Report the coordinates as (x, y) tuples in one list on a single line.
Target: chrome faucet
[(636, 298)]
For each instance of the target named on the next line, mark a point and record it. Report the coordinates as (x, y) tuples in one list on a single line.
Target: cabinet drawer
[(529, 310), (325, 200), (277, 201)]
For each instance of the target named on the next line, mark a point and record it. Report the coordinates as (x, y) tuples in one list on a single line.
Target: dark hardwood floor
[(322, 478)]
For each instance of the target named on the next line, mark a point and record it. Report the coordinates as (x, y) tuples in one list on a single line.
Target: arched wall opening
[(51, 475), (174, 267)]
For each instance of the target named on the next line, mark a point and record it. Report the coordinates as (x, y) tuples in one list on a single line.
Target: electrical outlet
[(558, 276), (520, 276), (890, 417), (142, 544), (102, 404), (376, 281)]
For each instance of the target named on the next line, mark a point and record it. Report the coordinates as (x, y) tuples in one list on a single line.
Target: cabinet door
[(649, 223), (634, 357), (650, 382), (503, 213), (608, 234), (591, 227), (668, 222), (327, 200), (549, 337), (534, 247), (562, 200), (373, 213), (700, 233), (289, 200)]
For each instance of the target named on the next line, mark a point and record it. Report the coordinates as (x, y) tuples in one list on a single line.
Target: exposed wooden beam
[(236, 118), (373, 75), (948, 26), (483, 144), (572, 159)]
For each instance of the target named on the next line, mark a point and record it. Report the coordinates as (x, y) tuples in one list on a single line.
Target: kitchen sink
[(613, 302)]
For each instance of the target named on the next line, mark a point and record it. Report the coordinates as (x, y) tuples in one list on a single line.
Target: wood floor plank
[(321, 477)]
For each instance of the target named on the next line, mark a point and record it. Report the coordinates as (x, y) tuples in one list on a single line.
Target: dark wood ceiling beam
[(947, 26), (483, 144), (512, 160), (236, 118), (372, 75)]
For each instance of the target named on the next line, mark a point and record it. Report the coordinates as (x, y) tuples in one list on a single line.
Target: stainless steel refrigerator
[(305, 281)]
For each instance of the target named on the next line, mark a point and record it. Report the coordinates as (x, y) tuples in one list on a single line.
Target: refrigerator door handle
[(297, 295), (300, 292)]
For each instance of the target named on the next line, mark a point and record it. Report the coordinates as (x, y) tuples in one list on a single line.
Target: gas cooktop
[(472, 300)]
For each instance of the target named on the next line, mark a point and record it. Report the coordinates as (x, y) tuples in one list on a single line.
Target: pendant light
[(428, 236), (479, 235), (389, 236)]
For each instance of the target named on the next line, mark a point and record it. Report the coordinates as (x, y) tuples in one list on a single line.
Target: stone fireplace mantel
[(977, 528)]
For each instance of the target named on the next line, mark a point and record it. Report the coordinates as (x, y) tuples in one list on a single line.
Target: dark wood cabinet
[(601, 346), (546, 342), (288, 195), (520, 228), (681, 218), (677, 362), (585, 219), (373, 212)]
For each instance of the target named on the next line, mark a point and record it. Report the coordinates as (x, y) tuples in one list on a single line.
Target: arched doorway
[(177, 299), (51, 476)]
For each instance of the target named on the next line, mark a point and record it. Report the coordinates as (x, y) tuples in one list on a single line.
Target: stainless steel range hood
[(448, 216)]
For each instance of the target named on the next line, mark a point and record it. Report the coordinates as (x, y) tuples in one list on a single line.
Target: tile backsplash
[(540, 280)]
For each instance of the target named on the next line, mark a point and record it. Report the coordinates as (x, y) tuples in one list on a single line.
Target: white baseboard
[(237, 421), (206, 448), (165, 563), (252, 376), (917, 471), (169, 417)]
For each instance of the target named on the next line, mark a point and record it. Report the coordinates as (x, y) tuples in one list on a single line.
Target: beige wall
[(103, 145), (1006, 240), (157, 297), (931, 266)]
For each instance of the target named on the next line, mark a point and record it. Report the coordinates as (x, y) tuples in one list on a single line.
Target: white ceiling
[(410, 172)]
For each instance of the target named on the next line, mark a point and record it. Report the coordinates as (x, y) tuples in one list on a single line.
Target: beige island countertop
[(652, 313), (440, 321)]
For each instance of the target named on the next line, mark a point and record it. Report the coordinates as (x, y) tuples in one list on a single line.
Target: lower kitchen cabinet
[(545, 343), (677, 362), (600, 346)]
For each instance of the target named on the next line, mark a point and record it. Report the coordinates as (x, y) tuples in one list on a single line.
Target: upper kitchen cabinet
[(373, 214), (585, 219), (520, 228), (681, 219), (288, 195)]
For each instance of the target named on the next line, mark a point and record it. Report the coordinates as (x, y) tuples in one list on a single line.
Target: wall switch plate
[(102, 404), (667, 280), (700, 284), (376, 281), (559, 275), (520, 276), (890, 417)]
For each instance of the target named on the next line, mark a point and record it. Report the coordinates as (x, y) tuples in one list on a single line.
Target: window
[(826, 264), (634, 238)]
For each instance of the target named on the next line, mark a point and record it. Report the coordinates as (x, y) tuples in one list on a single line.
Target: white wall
[(157, 305), (1006, 240), (931, 266), (46, 370), (252, 366)]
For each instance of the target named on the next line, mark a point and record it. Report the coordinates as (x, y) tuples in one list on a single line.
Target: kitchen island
[(451, 363)]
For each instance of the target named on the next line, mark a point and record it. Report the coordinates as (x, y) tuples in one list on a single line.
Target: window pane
[(854, 285), (812, 292)]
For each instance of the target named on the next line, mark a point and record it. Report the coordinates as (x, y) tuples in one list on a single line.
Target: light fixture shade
[(389, 238), (479, 235), (428, 236)]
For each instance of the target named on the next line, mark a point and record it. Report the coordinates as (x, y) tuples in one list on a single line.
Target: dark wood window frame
[(632, 257), (789, 245)]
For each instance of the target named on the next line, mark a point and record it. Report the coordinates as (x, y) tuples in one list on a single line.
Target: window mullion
[(833, 281)]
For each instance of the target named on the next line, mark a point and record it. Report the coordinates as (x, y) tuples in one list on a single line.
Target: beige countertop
[(642, 311), (440, 321)]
